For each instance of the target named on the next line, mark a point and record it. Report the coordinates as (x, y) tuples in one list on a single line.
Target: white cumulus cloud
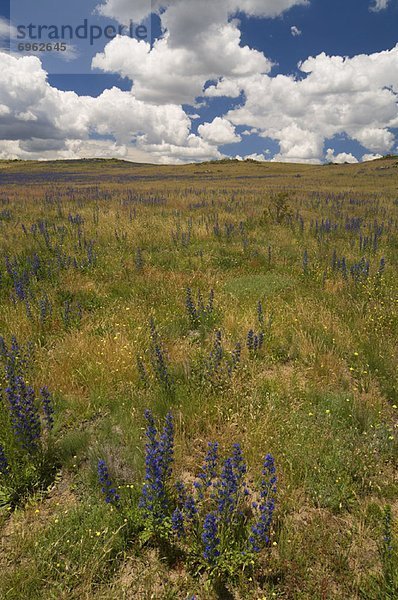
[(164, 73), (37, 120), (356, 96), (200, 43), (124, 10), (218, 132), (379, 5), (342, 157), (368, 157), (295, 31)]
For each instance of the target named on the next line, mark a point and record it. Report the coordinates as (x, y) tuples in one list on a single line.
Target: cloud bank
[(200, 56)]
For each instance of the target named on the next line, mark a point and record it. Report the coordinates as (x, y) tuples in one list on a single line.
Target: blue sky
[(343, 27), (208, 81)]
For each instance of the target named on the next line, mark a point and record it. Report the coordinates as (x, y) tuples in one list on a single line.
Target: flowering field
[(199, 384)]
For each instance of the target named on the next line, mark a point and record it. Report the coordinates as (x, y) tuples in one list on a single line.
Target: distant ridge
[(118, 162), (74, 161)]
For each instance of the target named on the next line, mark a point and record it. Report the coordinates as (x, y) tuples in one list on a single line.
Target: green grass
[(321, 395), (249, 288)]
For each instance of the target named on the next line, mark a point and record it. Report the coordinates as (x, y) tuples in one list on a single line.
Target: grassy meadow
[(255, 302)]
